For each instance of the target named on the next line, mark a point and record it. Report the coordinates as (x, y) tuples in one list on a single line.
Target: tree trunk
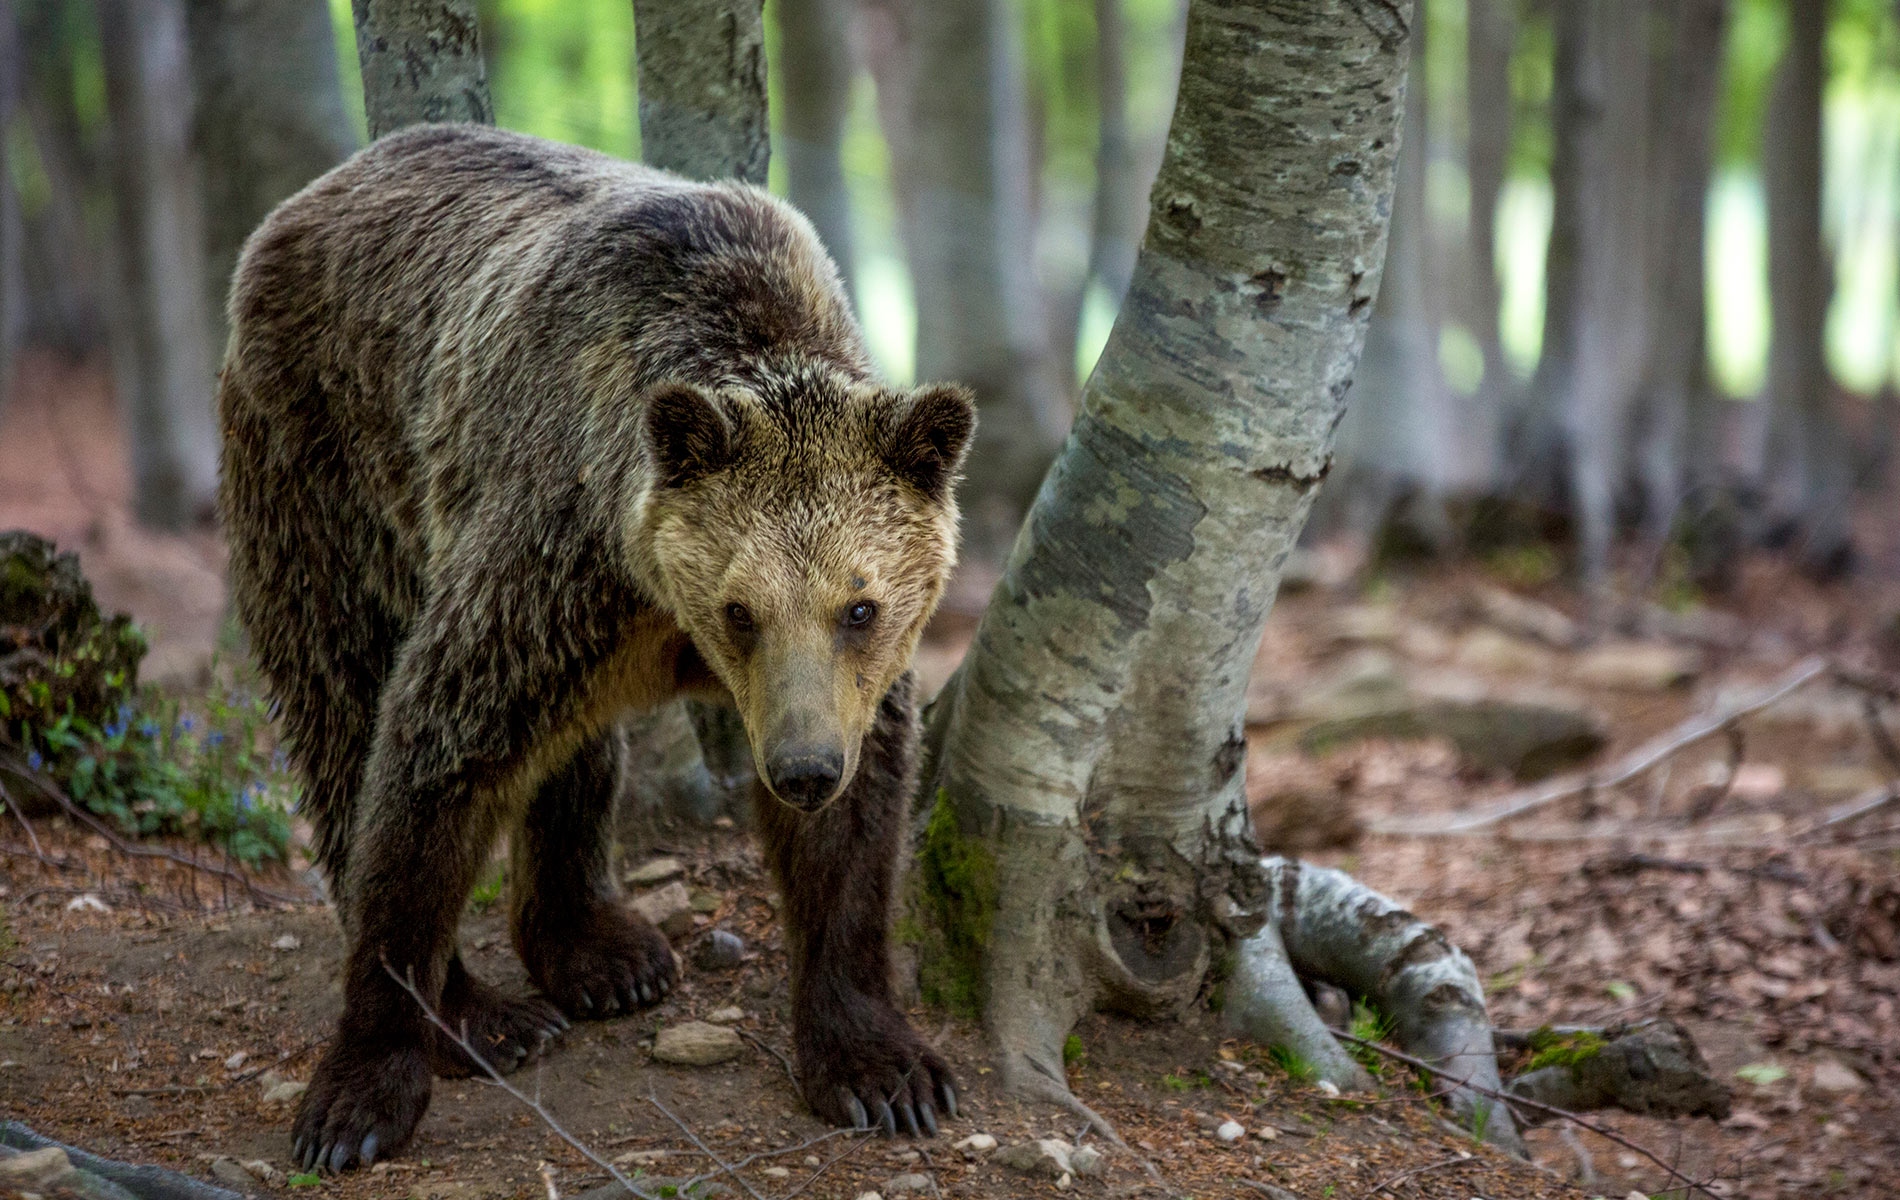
[(422, 61), (1089, 842), (163, 351), (950, 77), (1810, 469), (12, 232), (1594, 310), (702, 87), (268, 116), (1676, 400), (1490, 40), (816, 68)]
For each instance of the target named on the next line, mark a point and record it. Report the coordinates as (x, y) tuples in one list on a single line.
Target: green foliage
[(157, 767), (1073, 1055), (1761, 1074), (1549, 1048), (1527, 565), (307, 1179), (1370, 1025), (483, 896), (953, 911), (1296, 1067), (1187, 1083)]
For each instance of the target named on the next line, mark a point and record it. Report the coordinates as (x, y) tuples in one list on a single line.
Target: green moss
[(1072, 1051), (952, 912), (1550, 1048)]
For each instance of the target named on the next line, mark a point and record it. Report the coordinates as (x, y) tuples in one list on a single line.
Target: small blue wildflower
[(33, 760), (186, 724), (148, 728), (114, 730), (279, 760), (125, 713), (247, 796), (215, 738)]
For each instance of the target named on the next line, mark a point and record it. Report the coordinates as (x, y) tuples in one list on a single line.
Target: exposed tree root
[(1652, 1068), (1323, 924)]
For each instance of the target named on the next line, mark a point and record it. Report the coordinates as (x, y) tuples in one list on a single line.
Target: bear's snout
[(806, 778)]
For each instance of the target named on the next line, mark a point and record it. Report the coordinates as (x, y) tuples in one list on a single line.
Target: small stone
[(87, 903), (1087, 1160), (287, 943), (236, 1060), (726, 1016), (1327, 1088), (915, 1181), (718, 951), (697, 1044), (33, 1170), (230, 1172), (265, 1172), (268, 1080), (977, 1143), (1267, 1133), (704, 901), (1064, 1182), (669, 907), (1636, 666), (869, 1196), (812, 1160), (286, 1091), (1832, 1075), (1230, 1131), (655, 871), (1046, 1156), (776, 1172)]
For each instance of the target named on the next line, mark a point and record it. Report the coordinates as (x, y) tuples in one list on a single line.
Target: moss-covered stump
[(61, 659)]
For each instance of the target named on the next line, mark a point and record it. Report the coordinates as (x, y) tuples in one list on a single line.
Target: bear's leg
[(504, 1030), (591, 955), (859, 1061)]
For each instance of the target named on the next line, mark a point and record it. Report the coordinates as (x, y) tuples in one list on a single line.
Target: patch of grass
[(306, 1179), (1073, 1055), (1296, 1067), (483, 896), (1370, 1025), (1187, 1083), (1620, 991), (166, 765), (1552, 1049)]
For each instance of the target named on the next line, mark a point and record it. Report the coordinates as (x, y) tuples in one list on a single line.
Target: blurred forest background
[(1640, 307)]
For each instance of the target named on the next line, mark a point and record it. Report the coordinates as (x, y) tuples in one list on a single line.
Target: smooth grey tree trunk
[(62, 263), (1673, 427), (1490, 39), (422, 61), (816, 68), (1809, 469), (702, 87), (12, 230), (163, 352), (1085, 837), (950, 78), (268, 116)]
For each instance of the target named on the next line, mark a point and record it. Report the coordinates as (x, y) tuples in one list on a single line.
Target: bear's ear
[(929, 436), (691, 437)]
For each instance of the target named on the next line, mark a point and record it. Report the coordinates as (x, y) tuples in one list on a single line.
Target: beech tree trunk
[(12, 232), (422, 61), (1490, 39), (1809, 471), (268, 117), (950, 81), (816, 68), (1672, 429), (163, 352), (1085, 838), (702, 87)]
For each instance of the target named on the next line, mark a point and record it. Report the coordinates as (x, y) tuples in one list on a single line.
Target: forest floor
[(1709, 890)]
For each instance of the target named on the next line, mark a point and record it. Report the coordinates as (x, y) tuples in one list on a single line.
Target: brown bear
[(519, 438)]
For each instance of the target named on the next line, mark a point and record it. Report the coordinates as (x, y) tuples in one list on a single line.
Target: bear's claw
[(506, 1032), (362, 1103), (602, 963), (891, 1082)]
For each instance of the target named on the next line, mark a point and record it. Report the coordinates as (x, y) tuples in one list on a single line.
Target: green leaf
[(308, 1179), (1761, 1074)]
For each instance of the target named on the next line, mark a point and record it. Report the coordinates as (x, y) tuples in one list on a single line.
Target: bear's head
[(802, 531)]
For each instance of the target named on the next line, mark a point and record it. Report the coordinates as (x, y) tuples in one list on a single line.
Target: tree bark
[(1490, 41), (268, 117), (12, 231), (1089, 842), (163, 351), (702, 87), (1672, 426), (1810, 472), (422, 61), (950, 78), (816, 68)]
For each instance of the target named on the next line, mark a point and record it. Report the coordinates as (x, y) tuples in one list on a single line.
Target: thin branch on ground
[(1877, 730), (1871, 800), (829, 1163), (1631, 765), (1564, 1114), (1632, 864), (19, 815), (725, 1168), (407, 983), (258, 894), (775, 1052), (1402, 1176)]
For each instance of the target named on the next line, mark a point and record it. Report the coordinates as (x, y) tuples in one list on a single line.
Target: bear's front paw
[(363, 1104), (606, 961), (504, 1031), (868, 1069)]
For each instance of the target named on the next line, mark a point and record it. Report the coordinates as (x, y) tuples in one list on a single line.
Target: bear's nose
[(806, 779)]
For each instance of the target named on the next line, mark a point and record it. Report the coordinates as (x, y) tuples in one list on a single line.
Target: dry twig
[(1402, 1176)]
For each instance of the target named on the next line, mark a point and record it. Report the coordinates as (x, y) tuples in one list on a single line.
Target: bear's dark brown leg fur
[(592, 956), (859, 1061), (505, 1031)]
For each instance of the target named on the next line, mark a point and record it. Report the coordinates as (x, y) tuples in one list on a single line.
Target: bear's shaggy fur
[(518, 438)]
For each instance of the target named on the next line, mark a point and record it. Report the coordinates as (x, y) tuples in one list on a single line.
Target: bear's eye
[(739, 617), (859, 615)]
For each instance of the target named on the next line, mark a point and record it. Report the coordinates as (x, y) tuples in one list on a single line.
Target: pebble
[(697, 1044), (977, 1143), (704, 901), (1087, 1160), (1831, 1075), (869, 1196), (726, 1016), (33, 1170), (915, 1181), (669, 907), (286, 1091), (1327, 1087), (1230, 1131), (1064, 1182), (236, 1060), (655, 871), (719, 951), (265, 1172), (287, 943), (230, 1172), (776, 1172), (1046, 1156)]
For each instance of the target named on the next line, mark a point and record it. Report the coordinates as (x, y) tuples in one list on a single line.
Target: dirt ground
[(1708, 890)]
